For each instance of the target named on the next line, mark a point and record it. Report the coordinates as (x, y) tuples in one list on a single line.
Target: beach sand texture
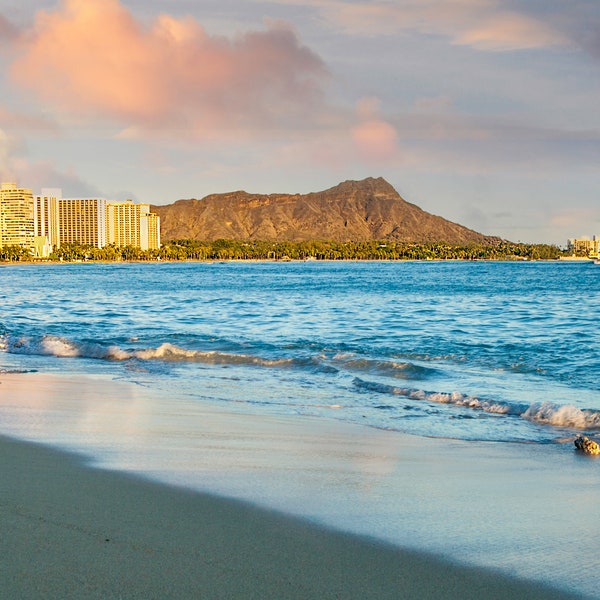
[(71, 531)]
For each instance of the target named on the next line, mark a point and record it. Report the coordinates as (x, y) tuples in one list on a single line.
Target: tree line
[(182, 250)]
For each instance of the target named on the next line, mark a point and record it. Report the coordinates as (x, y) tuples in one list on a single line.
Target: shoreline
[(73, 531), (436, 500), (561, 260)]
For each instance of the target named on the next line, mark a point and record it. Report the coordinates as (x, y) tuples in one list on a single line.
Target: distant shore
[(293, 260), (222, 250)]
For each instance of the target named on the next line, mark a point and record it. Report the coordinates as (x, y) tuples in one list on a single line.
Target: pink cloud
[(509, 31), (482, 24), (374, 138), (92, 58)]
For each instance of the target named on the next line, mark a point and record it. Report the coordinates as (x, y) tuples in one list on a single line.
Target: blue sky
[(485, 112)]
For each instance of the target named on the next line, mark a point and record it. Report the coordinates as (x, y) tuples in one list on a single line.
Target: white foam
[(455, 398), (54, 346), (64, 348), (559, 415), (50, 345), (545, 413)]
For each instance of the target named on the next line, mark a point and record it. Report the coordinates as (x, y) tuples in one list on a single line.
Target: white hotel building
[(47, 221)]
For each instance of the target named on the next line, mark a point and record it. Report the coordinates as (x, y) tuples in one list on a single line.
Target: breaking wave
[(543, 413), (60, 347), (456, 398), (563, 415), (63, 348)]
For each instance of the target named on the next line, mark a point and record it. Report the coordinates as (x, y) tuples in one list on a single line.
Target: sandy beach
[(70, 531), (73, 530)]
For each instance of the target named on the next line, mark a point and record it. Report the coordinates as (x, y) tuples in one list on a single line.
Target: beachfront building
[(45, 219), (44, 222), (16, 217), (584, 246), (83, 221), (150, 231), (130, 224)]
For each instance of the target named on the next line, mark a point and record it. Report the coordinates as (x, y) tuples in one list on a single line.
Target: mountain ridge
[(352, 211)]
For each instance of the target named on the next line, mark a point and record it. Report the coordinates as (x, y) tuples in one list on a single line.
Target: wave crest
[(543, 413), (557, 415), (455, 398), (63, 348)]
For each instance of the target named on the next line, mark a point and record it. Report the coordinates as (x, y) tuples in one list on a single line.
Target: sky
[(485, 112)]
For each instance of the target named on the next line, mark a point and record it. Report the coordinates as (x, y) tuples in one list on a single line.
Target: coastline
[(232, 250), (216, 261), (72, 531)]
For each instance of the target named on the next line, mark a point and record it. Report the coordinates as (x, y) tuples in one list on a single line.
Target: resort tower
[(82, 220), (16, 217), (130, 224), (45, 219)]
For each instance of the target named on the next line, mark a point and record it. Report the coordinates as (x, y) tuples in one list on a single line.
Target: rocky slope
[(370, 209)]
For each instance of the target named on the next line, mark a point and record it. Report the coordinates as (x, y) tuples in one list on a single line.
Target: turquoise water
[(473, 351), (284, 384)]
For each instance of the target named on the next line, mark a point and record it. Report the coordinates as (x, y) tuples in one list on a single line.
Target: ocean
[(475, 354)]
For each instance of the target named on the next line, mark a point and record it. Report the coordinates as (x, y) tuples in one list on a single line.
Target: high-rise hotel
[(45, 218), (16, 216), (132, 224), (47, 221), (82, 220)]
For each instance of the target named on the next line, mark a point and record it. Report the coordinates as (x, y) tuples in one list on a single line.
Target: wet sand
[(71, 531)]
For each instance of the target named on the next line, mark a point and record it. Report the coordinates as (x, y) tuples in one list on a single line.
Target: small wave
[(456, 398), (171, 353), (396, 370), (544, 413), (167, 352), (62, 348)]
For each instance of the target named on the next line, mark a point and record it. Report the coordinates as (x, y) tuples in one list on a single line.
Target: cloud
[(17, 121), (572, 218), (7, 31), (482, 24), (16, 166), (36, 175), (94, 59), (375, 138), (582, 24), (4, 155), (508, 31)]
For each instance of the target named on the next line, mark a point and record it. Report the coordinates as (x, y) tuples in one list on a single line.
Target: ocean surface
[(474, 352)]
